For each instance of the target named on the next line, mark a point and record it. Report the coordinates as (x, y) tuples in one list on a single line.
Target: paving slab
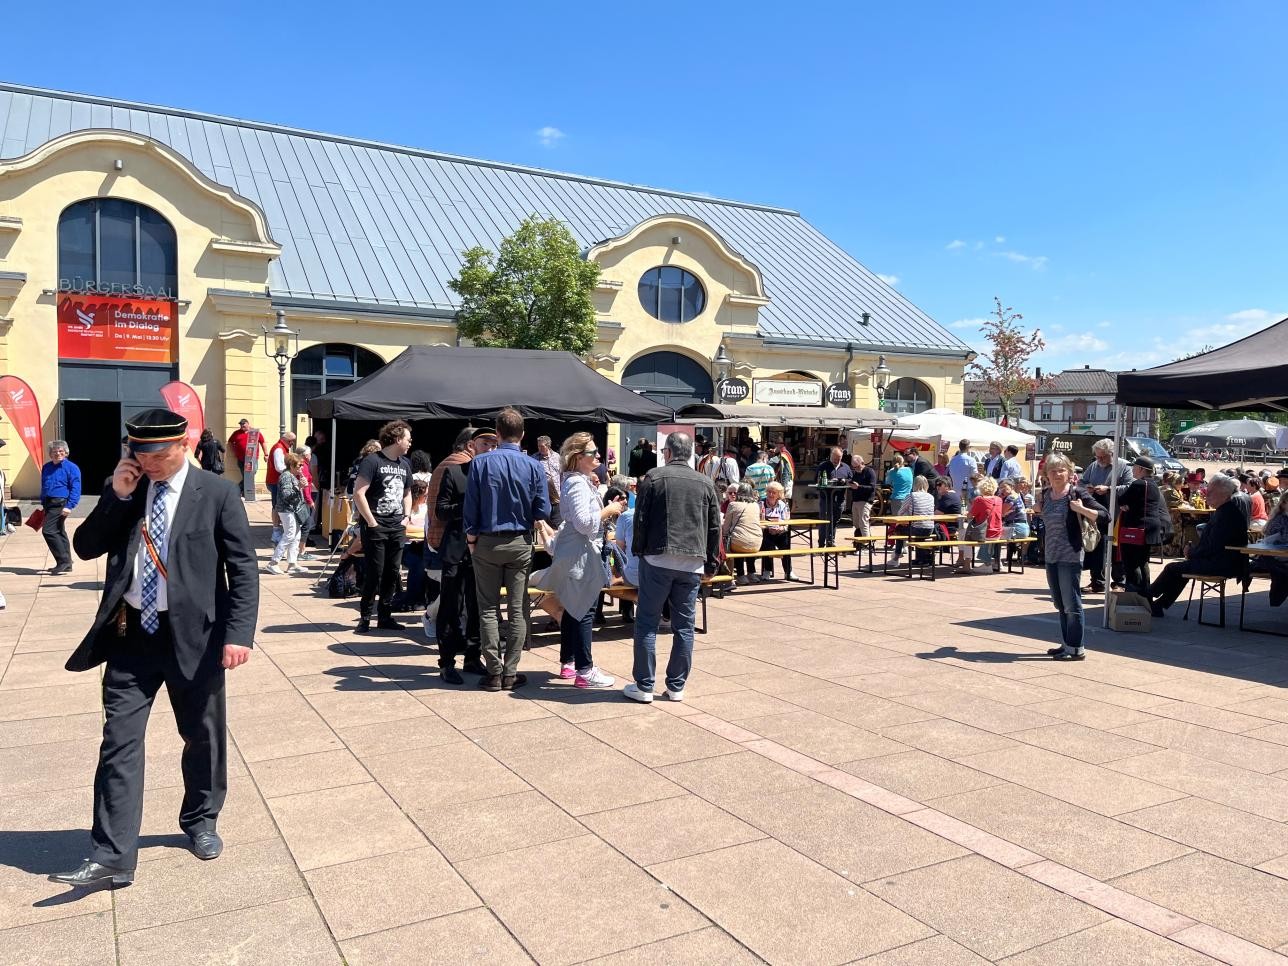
[(1215, 781), (467, 830), (992, 911), (919, 775), (935, 951), (342, 824), (822, 737), (473, 938), (1085, 744), (659, 739), (1113, 942), (733, 777), (1242, 751), (947, 738), (1211, 827), (710, 946), (308, 773), (420, 778), (84, 940), (786, 908), (670, 829)]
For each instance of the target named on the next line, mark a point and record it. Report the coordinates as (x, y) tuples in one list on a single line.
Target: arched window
[(116, 247), (908, 396), (671, 294), (324, 368)]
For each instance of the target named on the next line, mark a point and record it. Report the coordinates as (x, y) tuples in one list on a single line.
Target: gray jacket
[(677, 512)]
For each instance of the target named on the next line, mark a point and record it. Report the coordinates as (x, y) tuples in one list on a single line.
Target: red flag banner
[(19, 403), (183, 399)]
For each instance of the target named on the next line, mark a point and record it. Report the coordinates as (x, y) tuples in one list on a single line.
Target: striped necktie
[(154, 554)]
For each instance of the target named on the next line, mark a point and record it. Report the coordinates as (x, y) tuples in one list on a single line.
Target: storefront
[(140, 245)]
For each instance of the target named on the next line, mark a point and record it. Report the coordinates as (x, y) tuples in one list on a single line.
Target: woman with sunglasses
[(576, 574)]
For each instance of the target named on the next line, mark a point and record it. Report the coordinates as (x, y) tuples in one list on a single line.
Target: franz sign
[(787, 392), (732, 390)]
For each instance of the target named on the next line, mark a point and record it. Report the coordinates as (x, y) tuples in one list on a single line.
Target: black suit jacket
[(1227, 527), (213, 587)]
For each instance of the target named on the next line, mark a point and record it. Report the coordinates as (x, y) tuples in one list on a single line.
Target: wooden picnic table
[(1256, 550), (912, 518), (799, 527)]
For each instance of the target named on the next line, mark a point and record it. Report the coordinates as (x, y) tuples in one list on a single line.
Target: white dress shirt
[(134, 596)]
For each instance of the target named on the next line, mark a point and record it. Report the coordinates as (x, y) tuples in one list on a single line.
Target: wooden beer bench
[(831, 559), (710, 586)]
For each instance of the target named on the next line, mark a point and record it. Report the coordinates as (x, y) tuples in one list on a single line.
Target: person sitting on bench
[(1227, 527), (918, 503)]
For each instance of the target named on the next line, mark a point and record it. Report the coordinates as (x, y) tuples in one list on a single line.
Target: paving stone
[(1091, 713), (1208, 717), (1085, 744), (918, 775), (82, 940), (1210, 827), (473, 938), (850, 837), (1242, 901), (1123, 697), (179, 886), (659, 739), (737, 705), (386, 737), (946, 738), (786, 908), (1101, 847), (1089, 786), (517, 740), (467, 830), (282, 736), (27, 732), (732, 777), (822, 737), (935, 951), (1108, 943), (342, 824), (473, 708), (308, 773), (626, 906), (40, 670), (63, 764), (421, 778), (287, 933), (711, 947), (244, 819), (1241, 751), (351, 709), (993, 911), (1215, 781), (862, 710), (593, 778), (670, 829), (386, 891), (979, 712)]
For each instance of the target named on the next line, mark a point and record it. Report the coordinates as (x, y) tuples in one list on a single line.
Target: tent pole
[(1107, 576)]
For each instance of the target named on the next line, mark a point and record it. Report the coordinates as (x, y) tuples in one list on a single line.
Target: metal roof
[(1084, 382), (377, 224)]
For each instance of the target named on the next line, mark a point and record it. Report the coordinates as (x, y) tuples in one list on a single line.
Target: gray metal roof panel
[(359, 220)]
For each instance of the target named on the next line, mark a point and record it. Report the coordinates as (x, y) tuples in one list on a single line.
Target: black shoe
[(1096, 589), (61, 569), (364, 626), (207, 845), (389, 624), (1157, 610), (92, 873), (1064, 655), (451, 675), (1053, 651), (512, 682), (476, 667), (491, 683)]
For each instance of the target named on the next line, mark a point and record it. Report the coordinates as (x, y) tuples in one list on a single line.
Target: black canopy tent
[(427, 382), (474, 384)]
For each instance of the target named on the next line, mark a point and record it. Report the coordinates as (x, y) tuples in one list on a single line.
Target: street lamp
[(281, 345), (881, 380), (722, 362)]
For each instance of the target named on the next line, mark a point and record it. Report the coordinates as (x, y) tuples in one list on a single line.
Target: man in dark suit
[(180, 602), (1227, 527)]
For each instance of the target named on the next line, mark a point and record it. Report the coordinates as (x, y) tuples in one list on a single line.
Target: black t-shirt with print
[(389, 481)]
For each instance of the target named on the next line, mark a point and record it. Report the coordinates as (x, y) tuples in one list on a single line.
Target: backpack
[(347, 579)]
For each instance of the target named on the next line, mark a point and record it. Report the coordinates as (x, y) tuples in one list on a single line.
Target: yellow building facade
[(361, 275)]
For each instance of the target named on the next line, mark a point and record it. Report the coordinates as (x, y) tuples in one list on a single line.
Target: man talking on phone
[(180, 603)]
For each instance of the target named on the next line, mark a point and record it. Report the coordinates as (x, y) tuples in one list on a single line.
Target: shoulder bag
[(1135, 536)]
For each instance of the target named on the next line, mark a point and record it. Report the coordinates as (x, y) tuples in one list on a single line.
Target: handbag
[(977, 531), (1134, 536), (1090, 534), (37, 519)]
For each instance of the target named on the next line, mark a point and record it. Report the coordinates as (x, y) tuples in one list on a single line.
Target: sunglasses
[(590, 452)]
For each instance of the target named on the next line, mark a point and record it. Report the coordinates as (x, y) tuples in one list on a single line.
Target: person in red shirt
[(276, 465), (986, 515), (237, 443)]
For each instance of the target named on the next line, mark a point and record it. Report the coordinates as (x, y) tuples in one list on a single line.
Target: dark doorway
[(93, 434), (668, 378)]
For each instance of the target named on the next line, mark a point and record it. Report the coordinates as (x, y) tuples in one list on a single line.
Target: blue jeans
[(657, 587), (1066, 594)]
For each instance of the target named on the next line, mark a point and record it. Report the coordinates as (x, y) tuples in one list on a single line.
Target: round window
[(672, 295)]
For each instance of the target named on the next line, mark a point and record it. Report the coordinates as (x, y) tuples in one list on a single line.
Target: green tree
[(534, 293), (977, 408), (1004, 370)]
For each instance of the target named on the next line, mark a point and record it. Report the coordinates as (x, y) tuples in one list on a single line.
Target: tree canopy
[(1004, 369), (534, 293)]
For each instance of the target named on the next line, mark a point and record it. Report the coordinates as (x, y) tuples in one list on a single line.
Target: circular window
[(672, 294)]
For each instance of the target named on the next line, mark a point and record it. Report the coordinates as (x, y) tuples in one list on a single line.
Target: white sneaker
[(633, 692), (431, 632), (297, 569), (274, 569), (595, 678), (675, 695)]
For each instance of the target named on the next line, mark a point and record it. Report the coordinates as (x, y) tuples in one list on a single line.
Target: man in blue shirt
[(962, 466), (505, 495), (60, 491)]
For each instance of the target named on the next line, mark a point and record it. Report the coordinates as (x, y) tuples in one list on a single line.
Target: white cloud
[(1035, 262), (1057, 327), (550, 136), (955, 245), (1103, 325), (999, 239), (1251, 317), (967, 323), (890, 280), (1077, 342)]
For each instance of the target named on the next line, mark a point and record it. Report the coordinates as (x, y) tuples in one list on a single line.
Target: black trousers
[(456, 598), (54, 530), (1135, 564), (776, 541), (134, 674), (382, 548), (1169, 584), (1095, 562)]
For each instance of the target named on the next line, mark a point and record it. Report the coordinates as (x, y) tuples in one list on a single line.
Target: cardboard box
[(1129, 612)]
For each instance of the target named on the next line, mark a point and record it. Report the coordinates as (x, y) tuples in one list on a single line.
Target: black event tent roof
[(1249, 374), (430, 382)]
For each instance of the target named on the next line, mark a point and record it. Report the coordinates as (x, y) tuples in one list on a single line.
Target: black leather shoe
[(389, 624), (452, 676), (491, 683), (1053, 651), (207, 845), (476, 667), (60, 570), (92, 874), (1064, 655), (512, 682), (364, 626)]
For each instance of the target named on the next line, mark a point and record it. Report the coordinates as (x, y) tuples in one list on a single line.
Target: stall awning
[(831, 416)]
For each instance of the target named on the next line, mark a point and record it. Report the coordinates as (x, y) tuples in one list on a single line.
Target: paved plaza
[(891, 773)]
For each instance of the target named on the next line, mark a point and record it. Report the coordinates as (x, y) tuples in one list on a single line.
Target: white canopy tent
[(952, 427)]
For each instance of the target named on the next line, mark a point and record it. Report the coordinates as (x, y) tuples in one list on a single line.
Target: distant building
[(1077, 401)]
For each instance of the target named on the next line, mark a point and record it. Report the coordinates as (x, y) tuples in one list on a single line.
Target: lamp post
[(722, 363), (881, 380), (281, 345)]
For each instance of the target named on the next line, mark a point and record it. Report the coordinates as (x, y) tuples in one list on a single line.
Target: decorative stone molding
[(231, 246), (11, 284), (100, 137), (229, 336), (10, 223), (247, 305), (602, 360), (608, 285)]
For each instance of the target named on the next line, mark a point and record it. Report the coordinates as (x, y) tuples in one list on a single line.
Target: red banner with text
[(113, 328), (19, 404), (183, 399)]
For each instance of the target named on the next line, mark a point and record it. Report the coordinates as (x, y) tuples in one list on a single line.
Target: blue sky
[(1115, 171)]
